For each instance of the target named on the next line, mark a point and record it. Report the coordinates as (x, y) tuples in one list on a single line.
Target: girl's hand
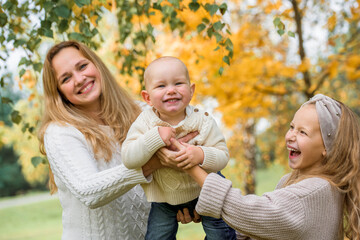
[(189, 156)]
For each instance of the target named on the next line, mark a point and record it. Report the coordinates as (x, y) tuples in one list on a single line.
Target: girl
[(86, 119), (320, 199)]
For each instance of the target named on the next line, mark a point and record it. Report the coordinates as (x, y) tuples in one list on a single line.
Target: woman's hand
[(151, 165), (167, 158), (184, 139), (185, 217)]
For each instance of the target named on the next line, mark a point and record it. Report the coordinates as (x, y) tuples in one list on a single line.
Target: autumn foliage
[(256, 60)]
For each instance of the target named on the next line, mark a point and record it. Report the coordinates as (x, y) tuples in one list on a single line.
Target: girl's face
[(78, 79), (304, 141)]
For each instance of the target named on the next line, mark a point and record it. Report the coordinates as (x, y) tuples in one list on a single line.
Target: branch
[(301, 44), (269, 91), (322, 79)]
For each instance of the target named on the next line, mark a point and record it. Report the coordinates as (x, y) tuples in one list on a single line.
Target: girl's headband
[(329, 113)]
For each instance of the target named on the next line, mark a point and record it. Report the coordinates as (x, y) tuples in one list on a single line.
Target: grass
[(42, 221), (37, 221)]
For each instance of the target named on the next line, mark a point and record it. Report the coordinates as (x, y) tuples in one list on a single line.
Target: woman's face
[(78, 79), (304, 140)]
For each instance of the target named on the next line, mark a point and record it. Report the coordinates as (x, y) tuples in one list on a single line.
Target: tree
[(258, 59), (272, 73), (30, 26)]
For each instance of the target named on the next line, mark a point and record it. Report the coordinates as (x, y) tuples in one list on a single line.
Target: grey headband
[(329, 112)]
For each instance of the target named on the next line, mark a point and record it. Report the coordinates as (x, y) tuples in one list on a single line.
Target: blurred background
[(253, 62)]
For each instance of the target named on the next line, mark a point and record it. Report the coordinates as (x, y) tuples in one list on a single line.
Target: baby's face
[(168, 89)]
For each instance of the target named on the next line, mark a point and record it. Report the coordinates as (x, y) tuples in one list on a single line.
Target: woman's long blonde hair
[(341, 167), (118, 109)]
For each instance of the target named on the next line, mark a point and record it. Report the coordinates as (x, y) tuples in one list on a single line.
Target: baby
[(169, 92)]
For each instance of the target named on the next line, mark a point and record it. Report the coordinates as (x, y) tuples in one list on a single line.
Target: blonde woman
[(320, 199), (86, 119)]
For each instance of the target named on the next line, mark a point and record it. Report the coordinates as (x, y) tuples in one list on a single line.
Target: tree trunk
[(249, 155)]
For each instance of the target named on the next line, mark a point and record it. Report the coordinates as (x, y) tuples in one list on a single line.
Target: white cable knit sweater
[(169, 185), (308, 210), (100, 200)]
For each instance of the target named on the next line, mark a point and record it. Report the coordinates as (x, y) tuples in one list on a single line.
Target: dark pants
[(162, 223)]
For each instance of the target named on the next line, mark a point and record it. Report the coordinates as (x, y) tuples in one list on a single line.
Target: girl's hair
[(341, 167), (118, 109)]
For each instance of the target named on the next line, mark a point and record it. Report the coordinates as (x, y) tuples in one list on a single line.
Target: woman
[(320, 199), (86, 118)]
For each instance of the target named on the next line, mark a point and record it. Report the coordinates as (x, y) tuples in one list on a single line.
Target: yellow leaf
[(304, 66), (333, 69), (93, 20), (76, 10), (332, 22)]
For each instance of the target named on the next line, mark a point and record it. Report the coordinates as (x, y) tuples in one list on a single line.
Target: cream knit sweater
[(100, 200), (171, 186), (308, 210)]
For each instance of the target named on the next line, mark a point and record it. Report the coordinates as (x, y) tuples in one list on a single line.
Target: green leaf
[(229, 44), (280, 32), (81, 3), (23, 60), (223, 8), (48, 32), (210, 32), (276, 21), (35, 161), (26, 126), (6, 100), (211, 8), (77, 36), (85, 30), (200, 27), (19, 42), (62, 11), (291, 34), (15, 117), (194, 6), (3, 19), (31, 129), (205, 20), (226, 60), (218, 25), (37, 67), (221, 70), (63, 25), (217, 48), (22, 72), (218, 36), (48, 6), (8, 5), (174, 3)]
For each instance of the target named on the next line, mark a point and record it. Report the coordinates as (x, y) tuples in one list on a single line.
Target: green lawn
[(37, 221), (42, 221)]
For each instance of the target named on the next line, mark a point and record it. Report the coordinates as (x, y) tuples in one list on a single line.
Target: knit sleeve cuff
[(210, 161), (212, 195), (153, 140)]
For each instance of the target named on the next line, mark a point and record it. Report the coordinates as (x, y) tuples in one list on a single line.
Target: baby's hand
[(189, 156), (166, 133)]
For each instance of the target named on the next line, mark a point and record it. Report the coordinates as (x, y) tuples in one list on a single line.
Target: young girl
[(86, 118), (320, 199)]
